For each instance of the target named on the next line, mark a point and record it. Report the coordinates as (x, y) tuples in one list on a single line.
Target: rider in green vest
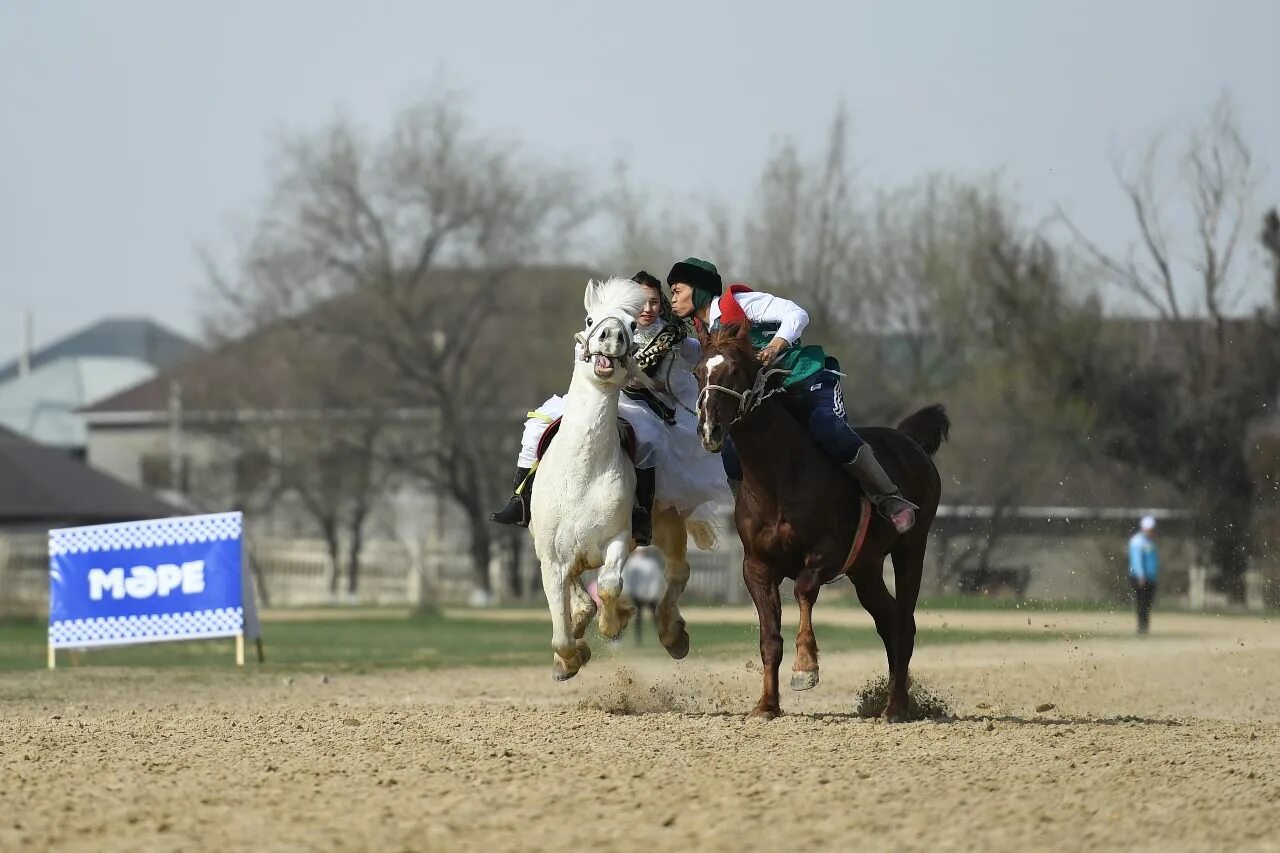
[(813, 393)]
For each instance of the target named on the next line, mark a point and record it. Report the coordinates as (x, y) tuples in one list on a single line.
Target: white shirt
[(767, 308)]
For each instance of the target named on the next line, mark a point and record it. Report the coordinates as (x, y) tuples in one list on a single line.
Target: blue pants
[(818, 405)]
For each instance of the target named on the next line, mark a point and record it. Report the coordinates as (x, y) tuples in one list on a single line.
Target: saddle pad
[(626, 437)]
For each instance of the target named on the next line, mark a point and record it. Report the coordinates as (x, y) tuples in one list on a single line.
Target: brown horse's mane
[(732, 339)]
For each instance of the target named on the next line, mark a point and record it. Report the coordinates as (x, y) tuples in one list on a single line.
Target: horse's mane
[(730, 340), (615, 293)]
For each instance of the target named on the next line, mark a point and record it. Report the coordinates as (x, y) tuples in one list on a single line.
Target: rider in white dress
[(672, 468)]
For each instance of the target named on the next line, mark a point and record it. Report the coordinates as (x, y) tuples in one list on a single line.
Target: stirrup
[(515, 512)]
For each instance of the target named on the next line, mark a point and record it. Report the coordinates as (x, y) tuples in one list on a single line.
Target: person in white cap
[(1144, 565)]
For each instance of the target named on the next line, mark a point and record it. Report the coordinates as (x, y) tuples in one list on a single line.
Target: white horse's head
[(606, 341)]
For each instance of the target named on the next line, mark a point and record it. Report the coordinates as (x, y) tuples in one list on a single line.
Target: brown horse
[(801, 517)]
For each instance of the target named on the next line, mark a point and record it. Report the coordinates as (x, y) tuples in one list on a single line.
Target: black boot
[(882, 491), (518, 508), (642, 513)]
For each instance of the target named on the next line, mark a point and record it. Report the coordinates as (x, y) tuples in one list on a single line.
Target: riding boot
[(881, 490), (642, 513), (518, 509)]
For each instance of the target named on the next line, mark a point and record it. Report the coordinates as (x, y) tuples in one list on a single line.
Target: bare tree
[(402, 252), (651, 231), (802, 236), (1176, 397), (1271, 243)]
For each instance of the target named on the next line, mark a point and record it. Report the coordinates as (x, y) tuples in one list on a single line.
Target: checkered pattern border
[(118, 630), (146, 534)]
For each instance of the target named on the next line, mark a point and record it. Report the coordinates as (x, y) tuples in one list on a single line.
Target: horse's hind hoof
[(766, 714), (561, 673), (679, 648), (897, 715), (804, 680)]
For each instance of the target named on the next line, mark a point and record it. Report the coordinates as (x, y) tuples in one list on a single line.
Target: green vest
[(803, 361)]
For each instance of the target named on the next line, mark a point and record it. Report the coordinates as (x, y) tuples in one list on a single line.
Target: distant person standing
[(1144, 565)]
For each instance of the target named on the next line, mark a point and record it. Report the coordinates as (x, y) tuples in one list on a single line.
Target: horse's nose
[(712, 436)]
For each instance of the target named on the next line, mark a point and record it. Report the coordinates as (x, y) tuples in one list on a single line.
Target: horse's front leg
[(804, 672), (670, 536), (615, 612), (764, 592), (568, 654)]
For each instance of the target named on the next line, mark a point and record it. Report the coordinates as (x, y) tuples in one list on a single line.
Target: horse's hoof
[(679, 648), (804, 680), (766, 714), (613, 630), (896, 715), (560, 669)]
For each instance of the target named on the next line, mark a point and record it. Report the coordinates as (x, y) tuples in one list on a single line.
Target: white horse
[(581, 510)]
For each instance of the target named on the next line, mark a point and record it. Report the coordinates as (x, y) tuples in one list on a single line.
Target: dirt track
[(1172, 742)]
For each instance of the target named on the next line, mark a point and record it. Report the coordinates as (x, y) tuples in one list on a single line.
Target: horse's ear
[(590, 298)]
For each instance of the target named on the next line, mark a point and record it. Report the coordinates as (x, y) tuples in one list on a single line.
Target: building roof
[(42, 405), (43, 485), (252, 365), (121, 337)]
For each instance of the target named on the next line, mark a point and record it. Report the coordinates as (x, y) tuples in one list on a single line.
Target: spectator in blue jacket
[(1144, 566)]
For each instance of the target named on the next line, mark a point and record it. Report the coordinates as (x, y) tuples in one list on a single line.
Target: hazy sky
[(132, 132)]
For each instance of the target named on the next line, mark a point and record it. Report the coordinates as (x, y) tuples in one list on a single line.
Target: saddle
[(626, 438)]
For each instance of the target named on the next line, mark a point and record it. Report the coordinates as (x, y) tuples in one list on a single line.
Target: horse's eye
[(589, 322)]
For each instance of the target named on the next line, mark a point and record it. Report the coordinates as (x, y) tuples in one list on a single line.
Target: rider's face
[(652, 306), (682, 300)]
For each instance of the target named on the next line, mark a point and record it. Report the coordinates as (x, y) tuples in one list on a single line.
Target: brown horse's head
[(726, 373)]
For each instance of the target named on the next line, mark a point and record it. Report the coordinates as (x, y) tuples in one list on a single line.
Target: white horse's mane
[(617, 294)]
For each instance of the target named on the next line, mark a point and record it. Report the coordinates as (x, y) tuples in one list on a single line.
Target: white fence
[(300, 572)]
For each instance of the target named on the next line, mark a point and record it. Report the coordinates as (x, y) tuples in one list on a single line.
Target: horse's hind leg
[(804, 672), (614, 612), (908, 566), (764, 592), (670, 536), (868, 580), (582, 607), (569, 654)]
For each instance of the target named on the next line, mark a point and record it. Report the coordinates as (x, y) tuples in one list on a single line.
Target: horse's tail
[(703, 533), (928, 427)]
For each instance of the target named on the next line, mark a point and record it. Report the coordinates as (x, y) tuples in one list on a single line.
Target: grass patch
[(432, 641), (1034, 605)]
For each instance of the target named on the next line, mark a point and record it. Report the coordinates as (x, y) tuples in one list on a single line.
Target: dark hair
[(647, 280)]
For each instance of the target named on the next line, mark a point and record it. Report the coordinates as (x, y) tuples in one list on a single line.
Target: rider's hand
[(771, 350)]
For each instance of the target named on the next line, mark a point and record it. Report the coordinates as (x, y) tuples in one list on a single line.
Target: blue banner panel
[(146, 581)]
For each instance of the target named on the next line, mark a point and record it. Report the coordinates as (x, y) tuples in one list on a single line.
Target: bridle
[(752, 398), (585, 339)]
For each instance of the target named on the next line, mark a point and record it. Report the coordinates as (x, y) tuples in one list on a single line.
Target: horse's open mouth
[(604, 366)]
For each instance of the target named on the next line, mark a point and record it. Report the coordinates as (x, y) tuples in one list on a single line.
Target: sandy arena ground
[(1170, 742)]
